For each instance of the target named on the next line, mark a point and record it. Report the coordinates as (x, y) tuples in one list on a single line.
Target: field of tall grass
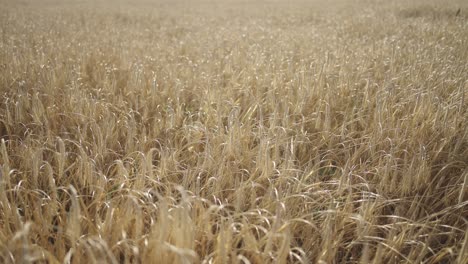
[(233, 131)]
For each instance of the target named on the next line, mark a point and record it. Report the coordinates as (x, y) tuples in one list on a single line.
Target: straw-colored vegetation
[(233, 131)]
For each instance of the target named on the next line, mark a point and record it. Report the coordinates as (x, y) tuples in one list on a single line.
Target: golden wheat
[(233, 131)]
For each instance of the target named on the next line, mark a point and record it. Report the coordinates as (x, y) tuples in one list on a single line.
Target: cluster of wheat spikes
[(233, 132)]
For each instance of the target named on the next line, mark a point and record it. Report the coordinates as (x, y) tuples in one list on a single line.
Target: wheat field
[(233, 131)]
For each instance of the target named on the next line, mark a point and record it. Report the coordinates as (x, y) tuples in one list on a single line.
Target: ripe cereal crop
[(233, 131)]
